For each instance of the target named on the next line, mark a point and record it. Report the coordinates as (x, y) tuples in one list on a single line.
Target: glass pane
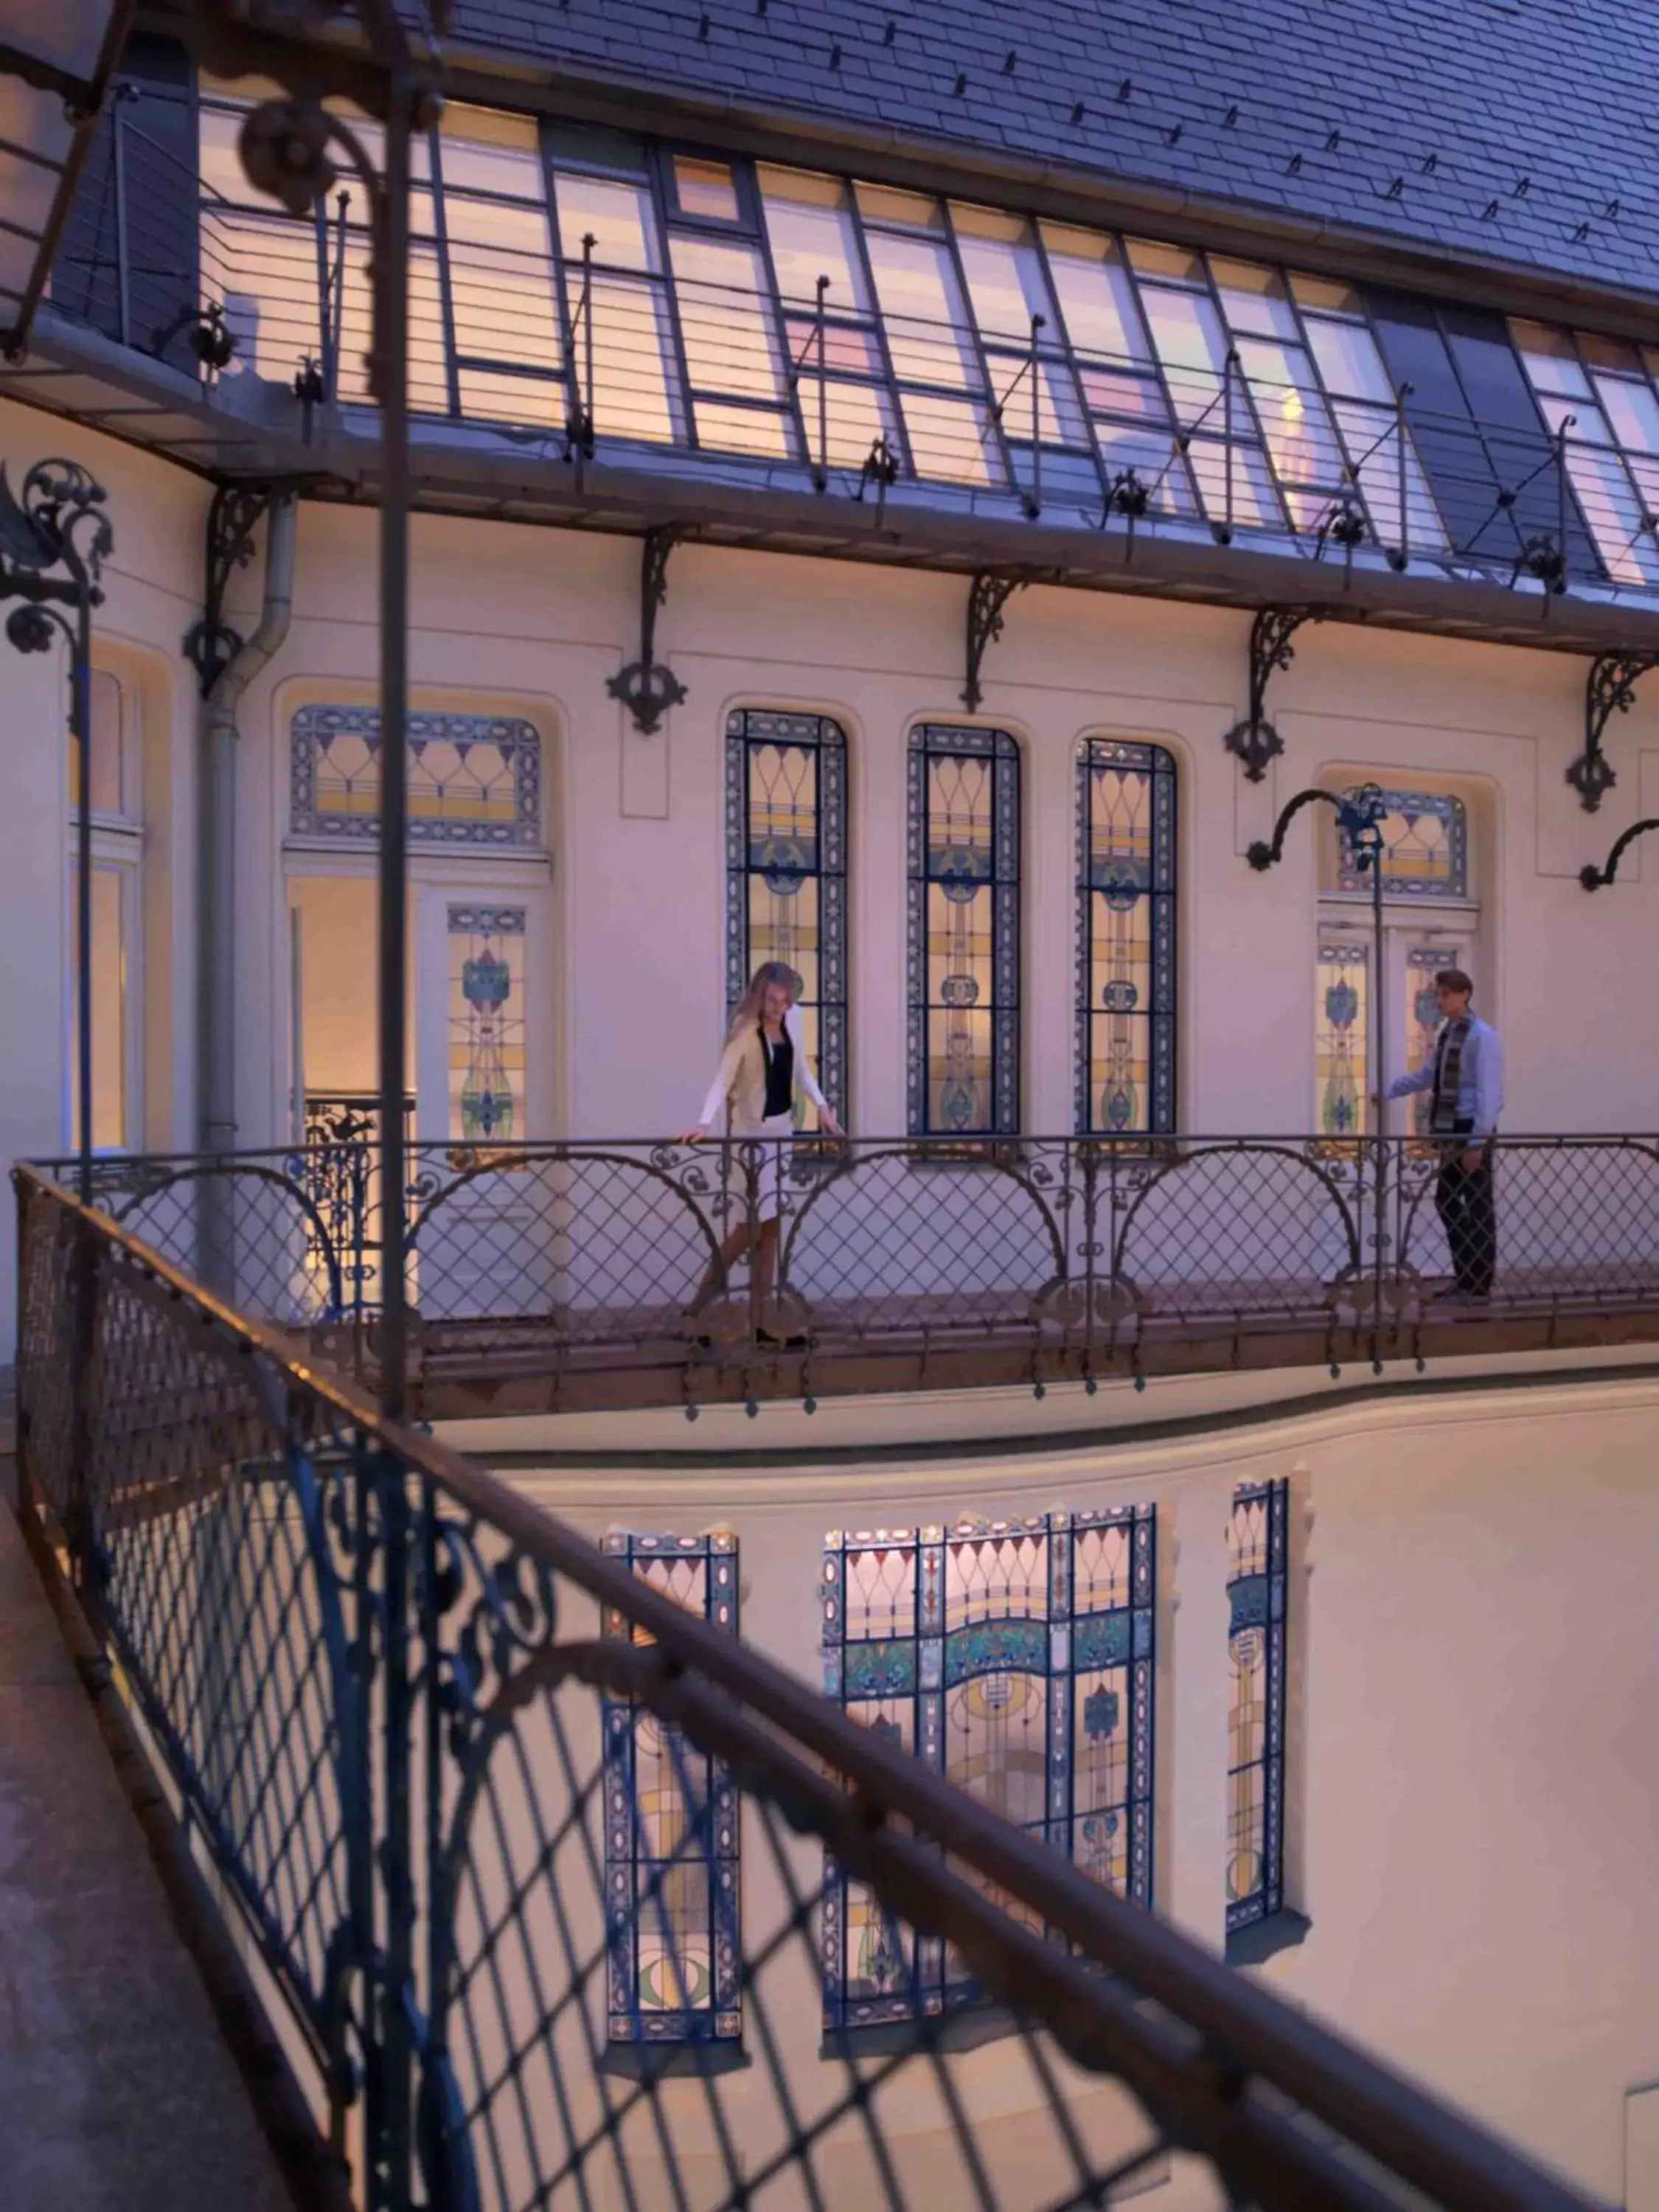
[(1614, 513), (1371, 437), (743, 430), (885, 204), (486, 1021), (1327, 294), (1422, 962), (951, 440), (1294, 422), (1191, 344), (811, 233), (1058, 416), (1585, 425), (1006, 285), (1234, 484), (630, 395), (1154, 458), (1175, 263), (1551, 359), (1254, 300), (264, 269), (618, 216), (1257, 1608), (854, 417), (104, 704), (705, 189), (1342, 1037), (1096, 295), (1632, 411), (500, 278), (484, 152), (855, 352), (1348, 360), (726, 323), (923, 311), (493, 396), (109, 1008)]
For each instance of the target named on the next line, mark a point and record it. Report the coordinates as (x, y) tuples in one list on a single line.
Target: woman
[(763, 1066)]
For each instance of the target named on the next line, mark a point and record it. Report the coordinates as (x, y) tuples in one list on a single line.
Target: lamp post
[(1596, 879), (1359, 814), (59, 525)]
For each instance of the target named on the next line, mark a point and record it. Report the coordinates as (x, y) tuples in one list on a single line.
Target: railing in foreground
[(554, 1276), (386, 1692)]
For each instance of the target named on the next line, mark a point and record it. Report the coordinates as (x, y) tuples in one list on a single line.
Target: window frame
[(1163, 898), (1269, 1609), (118, 842)]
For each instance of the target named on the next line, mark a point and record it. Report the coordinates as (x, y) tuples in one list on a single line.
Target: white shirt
[(741, 1077)]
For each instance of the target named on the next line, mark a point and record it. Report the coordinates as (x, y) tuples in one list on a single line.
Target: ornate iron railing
[(381, 1685), (548, 1276)]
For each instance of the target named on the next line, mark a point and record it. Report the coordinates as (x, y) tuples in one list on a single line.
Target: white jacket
[(742, 1077)]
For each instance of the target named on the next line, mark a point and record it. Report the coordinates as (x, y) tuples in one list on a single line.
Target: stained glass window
[(964, 955), (1426, 848), (670, 1829), (1422, 962), (1016, 1657), (1342, 1034), (1257, 1601), (486, 1023), (473, 779), (1126, 952), (785, 881)]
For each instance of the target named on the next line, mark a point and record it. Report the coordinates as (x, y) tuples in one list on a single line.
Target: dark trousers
[(1463, 1199)]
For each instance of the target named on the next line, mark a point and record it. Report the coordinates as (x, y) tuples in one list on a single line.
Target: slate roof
[(1524, 131)]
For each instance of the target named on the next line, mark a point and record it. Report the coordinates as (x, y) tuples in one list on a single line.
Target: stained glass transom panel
[(473, 779), (1257, 1602), (963, 953), (1125, 892), (1423, 962), (786, 872), (670, 1829), (1426, 848), (487, 1053), (1015, 1657), (1342, 1037)]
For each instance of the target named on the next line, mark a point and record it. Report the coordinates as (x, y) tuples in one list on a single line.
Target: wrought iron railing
[(556, 1275), (383, 1689)]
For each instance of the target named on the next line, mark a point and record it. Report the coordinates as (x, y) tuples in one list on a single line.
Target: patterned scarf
[(1448, 1077)]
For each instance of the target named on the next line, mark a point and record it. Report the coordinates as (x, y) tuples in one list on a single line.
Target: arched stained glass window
[(1016, 1657), (1257, 1600), (963, 925), (1126, 940), (670, 1829), (786, 871)]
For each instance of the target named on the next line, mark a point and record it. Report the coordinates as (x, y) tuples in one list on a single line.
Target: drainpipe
[(216, 911)]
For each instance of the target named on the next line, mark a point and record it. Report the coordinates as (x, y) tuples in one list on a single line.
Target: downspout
[(216, 908), (217, 902)]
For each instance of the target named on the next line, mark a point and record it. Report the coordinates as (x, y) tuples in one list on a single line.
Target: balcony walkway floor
[(117, 2093)]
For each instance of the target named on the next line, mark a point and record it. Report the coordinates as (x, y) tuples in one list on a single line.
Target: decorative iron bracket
[(988, 594), (211, 644), (1254, 740), (1611, 684), (1594, 879), (646, 686)]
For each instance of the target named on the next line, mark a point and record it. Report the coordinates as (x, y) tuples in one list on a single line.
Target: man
[(1464, 1076)]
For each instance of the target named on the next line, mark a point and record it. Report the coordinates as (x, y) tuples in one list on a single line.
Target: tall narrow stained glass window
[(963, 953), (786, 880), (1257, 1599), (1017, 1658), (1342, 1036), (1126, 944), (670, 1829), (486, 1023), (1423, 961)]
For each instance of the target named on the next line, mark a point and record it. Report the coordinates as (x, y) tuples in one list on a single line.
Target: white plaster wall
[(1476, 1814)]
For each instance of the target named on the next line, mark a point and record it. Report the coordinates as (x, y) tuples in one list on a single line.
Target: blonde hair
[(747, 1012)]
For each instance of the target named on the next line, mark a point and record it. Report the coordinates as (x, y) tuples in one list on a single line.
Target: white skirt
[(771, 1167)]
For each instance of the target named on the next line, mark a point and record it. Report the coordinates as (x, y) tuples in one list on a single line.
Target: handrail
[(1215, 2041)]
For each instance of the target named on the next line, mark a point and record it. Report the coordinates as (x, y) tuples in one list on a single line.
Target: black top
[(780, 1059)]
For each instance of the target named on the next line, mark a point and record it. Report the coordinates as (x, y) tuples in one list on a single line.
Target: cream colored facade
[(1474, 1815)]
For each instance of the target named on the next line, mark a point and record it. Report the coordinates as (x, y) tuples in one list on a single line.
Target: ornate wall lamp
[(1594, 878), (59, 525)]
